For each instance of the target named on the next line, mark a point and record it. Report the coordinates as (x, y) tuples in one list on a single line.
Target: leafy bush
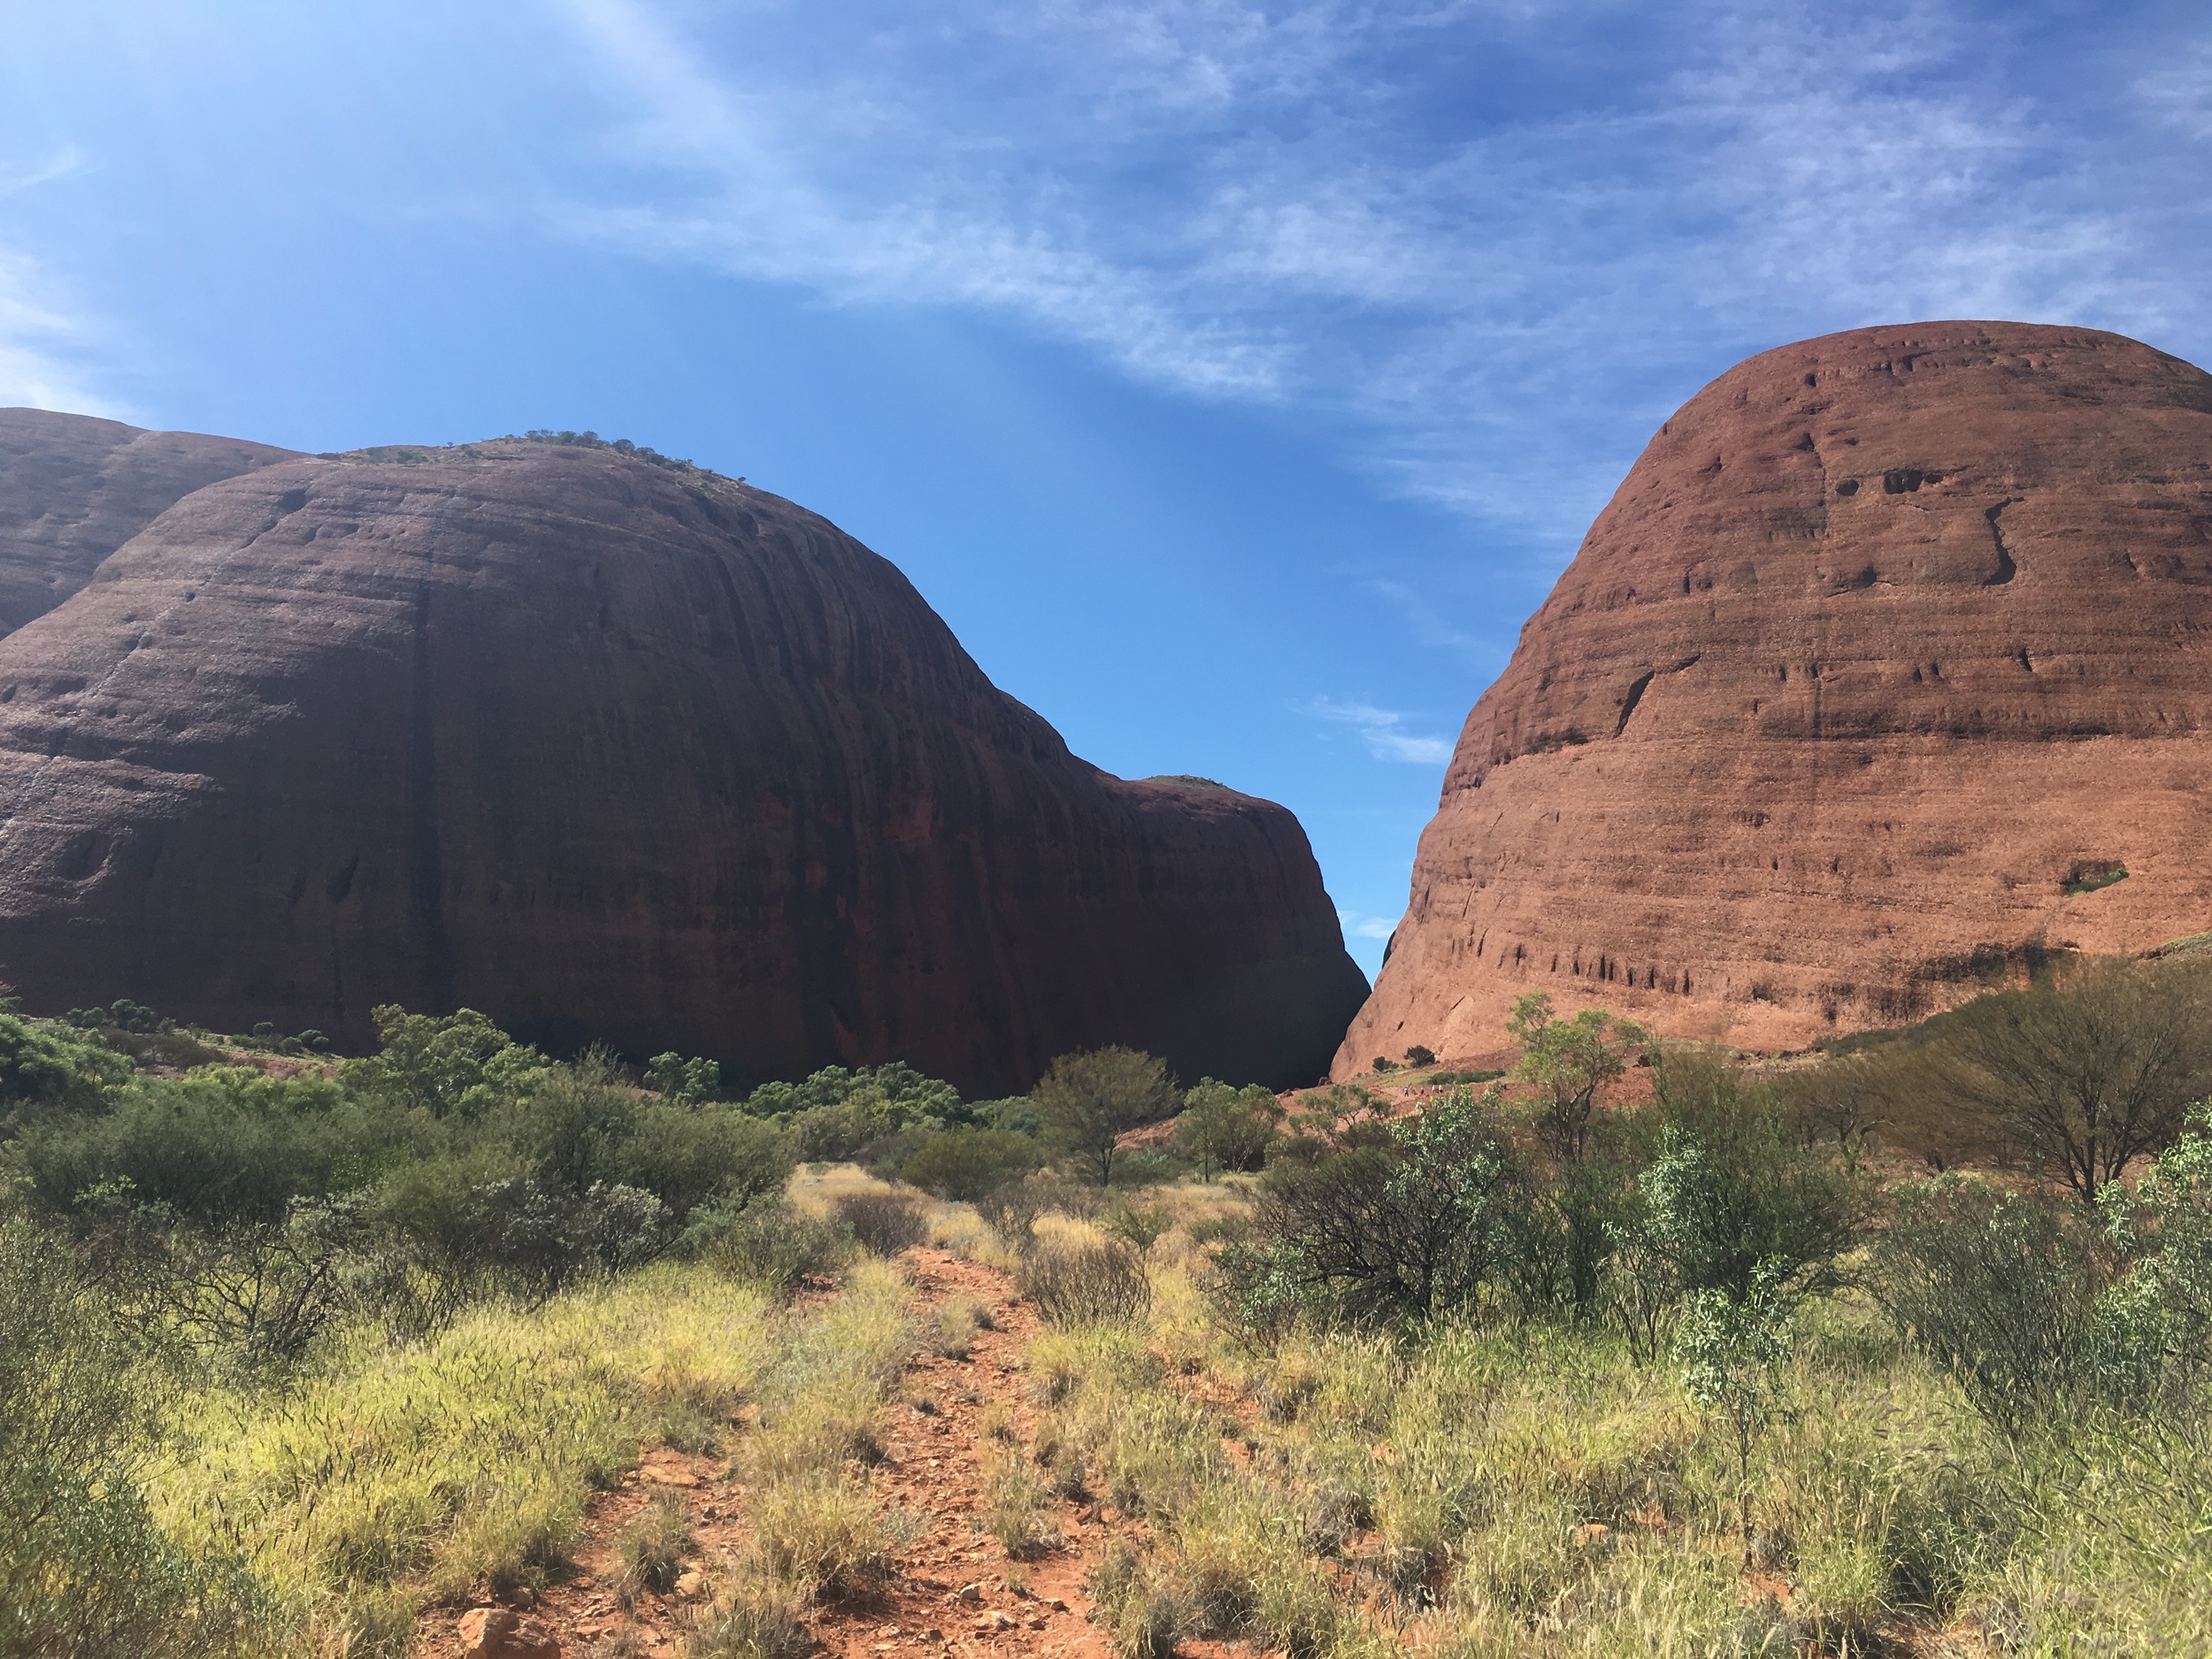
[(1089, 1284), (769, 1242), (1572, 1062), (1225, 1128), (883, 1223), (2000, 1290), (83, 1567), (1382, 1222), (963, 1163)]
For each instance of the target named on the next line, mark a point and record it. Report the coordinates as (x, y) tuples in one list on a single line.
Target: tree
[(675, 1078), (1732, 1349), (1572, 1061), (1225, 1128), (1089, 1101), (457, 1064), (2087, 1074)]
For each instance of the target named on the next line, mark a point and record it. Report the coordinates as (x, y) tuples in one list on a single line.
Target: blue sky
[(1233, 378)]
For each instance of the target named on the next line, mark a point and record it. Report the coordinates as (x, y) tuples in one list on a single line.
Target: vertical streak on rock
[(426, 884)]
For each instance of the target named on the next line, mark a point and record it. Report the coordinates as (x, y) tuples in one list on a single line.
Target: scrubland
[(1904, 1349)]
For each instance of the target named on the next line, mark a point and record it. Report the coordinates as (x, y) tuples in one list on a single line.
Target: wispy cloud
[(1381, 730), (37, 340), (1496, 241), (1361, 926)]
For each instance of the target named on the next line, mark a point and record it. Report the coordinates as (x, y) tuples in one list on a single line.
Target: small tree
[(2085, 1075), (672, 1076), (1732, 1349), (1089, 1101), (1225, 1128), (1420, 1055), (1573, 1062)]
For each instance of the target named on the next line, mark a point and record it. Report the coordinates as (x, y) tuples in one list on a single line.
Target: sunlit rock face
[(617, 751), (1891, 651)]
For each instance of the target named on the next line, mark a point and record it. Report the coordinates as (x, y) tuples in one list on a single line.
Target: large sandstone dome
[(613, 750), (1891, 652)]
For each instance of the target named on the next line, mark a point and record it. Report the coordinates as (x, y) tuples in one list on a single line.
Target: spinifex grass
[(464, 1463)]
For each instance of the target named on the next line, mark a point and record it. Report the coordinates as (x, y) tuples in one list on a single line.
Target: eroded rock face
[(609, 749), (73, 488), (1891, 646)]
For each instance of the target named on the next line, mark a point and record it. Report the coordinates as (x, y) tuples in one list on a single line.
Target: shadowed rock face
[(1888, 640), (72, 489), (608, 749)]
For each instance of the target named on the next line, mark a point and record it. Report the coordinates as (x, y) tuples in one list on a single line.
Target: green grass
[(394, 1475), (1532, 1491)]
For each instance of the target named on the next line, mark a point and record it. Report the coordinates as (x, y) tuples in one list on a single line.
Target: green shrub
[(83, 1567), (1089, 1101), (963, 1163), (2000, 1290), (769, 1242), (1224, 1128), (1385, 1222)]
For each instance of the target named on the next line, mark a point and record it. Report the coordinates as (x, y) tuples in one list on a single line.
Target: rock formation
[(73, 490), (610, 749), (1890, 654)]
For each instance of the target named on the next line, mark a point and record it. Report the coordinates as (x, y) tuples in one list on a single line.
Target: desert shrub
[(581, 1125), (37, 1067), (1012, 1207), (883, 1223), (1998, 1288), (1088, 1101), (1225, 1128), (2157, 1318), (958, 1318), (1138, 1225), (769, 1242), (964, 1164), (1089, 1284), (1387, 1221), (222, 1143), (84, 1569), (1733, 1191)]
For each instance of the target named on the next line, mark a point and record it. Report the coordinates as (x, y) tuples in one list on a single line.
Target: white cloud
[(1496, 264), (1382, 731)]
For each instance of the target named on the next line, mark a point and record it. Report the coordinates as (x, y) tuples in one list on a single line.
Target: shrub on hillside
[(1225, 1128)]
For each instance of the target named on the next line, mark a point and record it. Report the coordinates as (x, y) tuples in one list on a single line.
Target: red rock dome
[(1891, 652), (608, 748)]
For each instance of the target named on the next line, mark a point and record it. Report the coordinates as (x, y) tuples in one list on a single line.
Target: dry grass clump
[(958, 1319), (651, 1548), (1018, 1504), (1100, 1283), (753, 1613)]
